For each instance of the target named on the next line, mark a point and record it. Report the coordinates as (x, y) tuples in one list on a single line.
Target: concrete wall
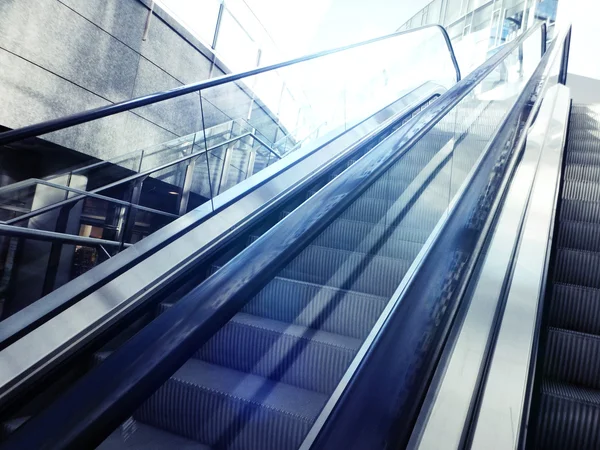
[(59, 57), (584, 64)]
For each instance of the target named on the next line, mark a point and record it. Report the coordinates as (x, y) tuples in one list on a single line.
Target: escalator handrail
[(41, 128), (99, 402)]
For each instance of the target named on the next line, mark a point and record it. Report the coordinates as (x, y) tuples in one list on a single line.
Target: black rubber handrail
[(100, 401), (49, 126)]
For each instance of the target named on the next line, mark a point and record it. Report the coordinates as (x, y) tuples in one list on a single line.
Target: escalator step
[(320, 307), (579, 235), (580, 172), (579, 211), (581, 190), (364, 237), (584, 120), (139, 436), (584, 139), (582, 157), (573, 357), (376, 275), (427, 210), (293, 354), (387, 188), (383, 189), (577, 267), (224, 408), (575, 308), (569, 418)]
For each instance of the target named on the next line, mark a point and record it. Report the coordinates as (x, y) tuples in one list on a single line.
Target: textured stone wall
[(59, 57)]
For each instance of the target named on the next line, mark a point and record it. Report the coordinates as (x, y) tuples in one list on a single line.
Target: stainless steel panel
[(503, 399)]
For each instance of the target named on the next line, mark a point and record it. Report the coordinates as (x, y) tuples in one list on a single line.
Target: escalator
[(320, 325), (270, 370), (568, 383)]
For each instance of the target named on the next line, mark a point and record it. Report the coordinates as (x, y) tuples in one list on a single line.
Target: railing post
[(564, 65), (187, 187), (544, 38), (148, 20), (218, 25)]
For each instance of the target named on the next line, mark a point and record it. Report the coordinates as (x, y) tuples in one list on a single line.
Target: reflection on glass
[(293, 105)]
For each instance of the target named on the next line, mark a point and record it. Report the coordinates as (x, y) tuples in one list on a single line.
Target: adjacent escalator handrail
[(96, 404), (116, 108)]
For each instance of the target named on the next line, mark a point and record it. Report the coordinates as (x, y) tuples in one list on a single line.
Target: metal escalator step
[(581, 172), (579, 108), (225, 408), (584, 120), (569, 418), (324, 308), (579, 235), (139, 436), (367, 210), (579, 211), (577, 267), (585, 138), (582, 157), (575, 308), (366, 238), (320, 307), (581, 190), (414, 161), (384, 189), (376, 275), (426, 211), (388, 188), (573, 357), (292, 354)]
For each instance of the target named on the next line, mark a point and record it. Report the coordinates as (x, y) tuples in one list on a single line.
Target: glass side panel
[(333, 92), (141, 169)]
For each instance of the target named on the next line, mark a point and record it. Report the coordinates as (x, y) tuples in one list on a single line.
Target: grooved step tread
[(582, 172), (581, 190), (368, 238), (376, 275), (582, 157), (579, 235), (340, 311), (569, 418), (226, 408), (296, 355), (573, 357), (577, 267), (571, 392), (579, 211), (575, 308)]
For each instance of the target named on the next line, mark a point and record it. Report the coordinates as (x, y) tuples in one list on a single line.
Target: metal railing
[(49, 126), (111, 392)]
